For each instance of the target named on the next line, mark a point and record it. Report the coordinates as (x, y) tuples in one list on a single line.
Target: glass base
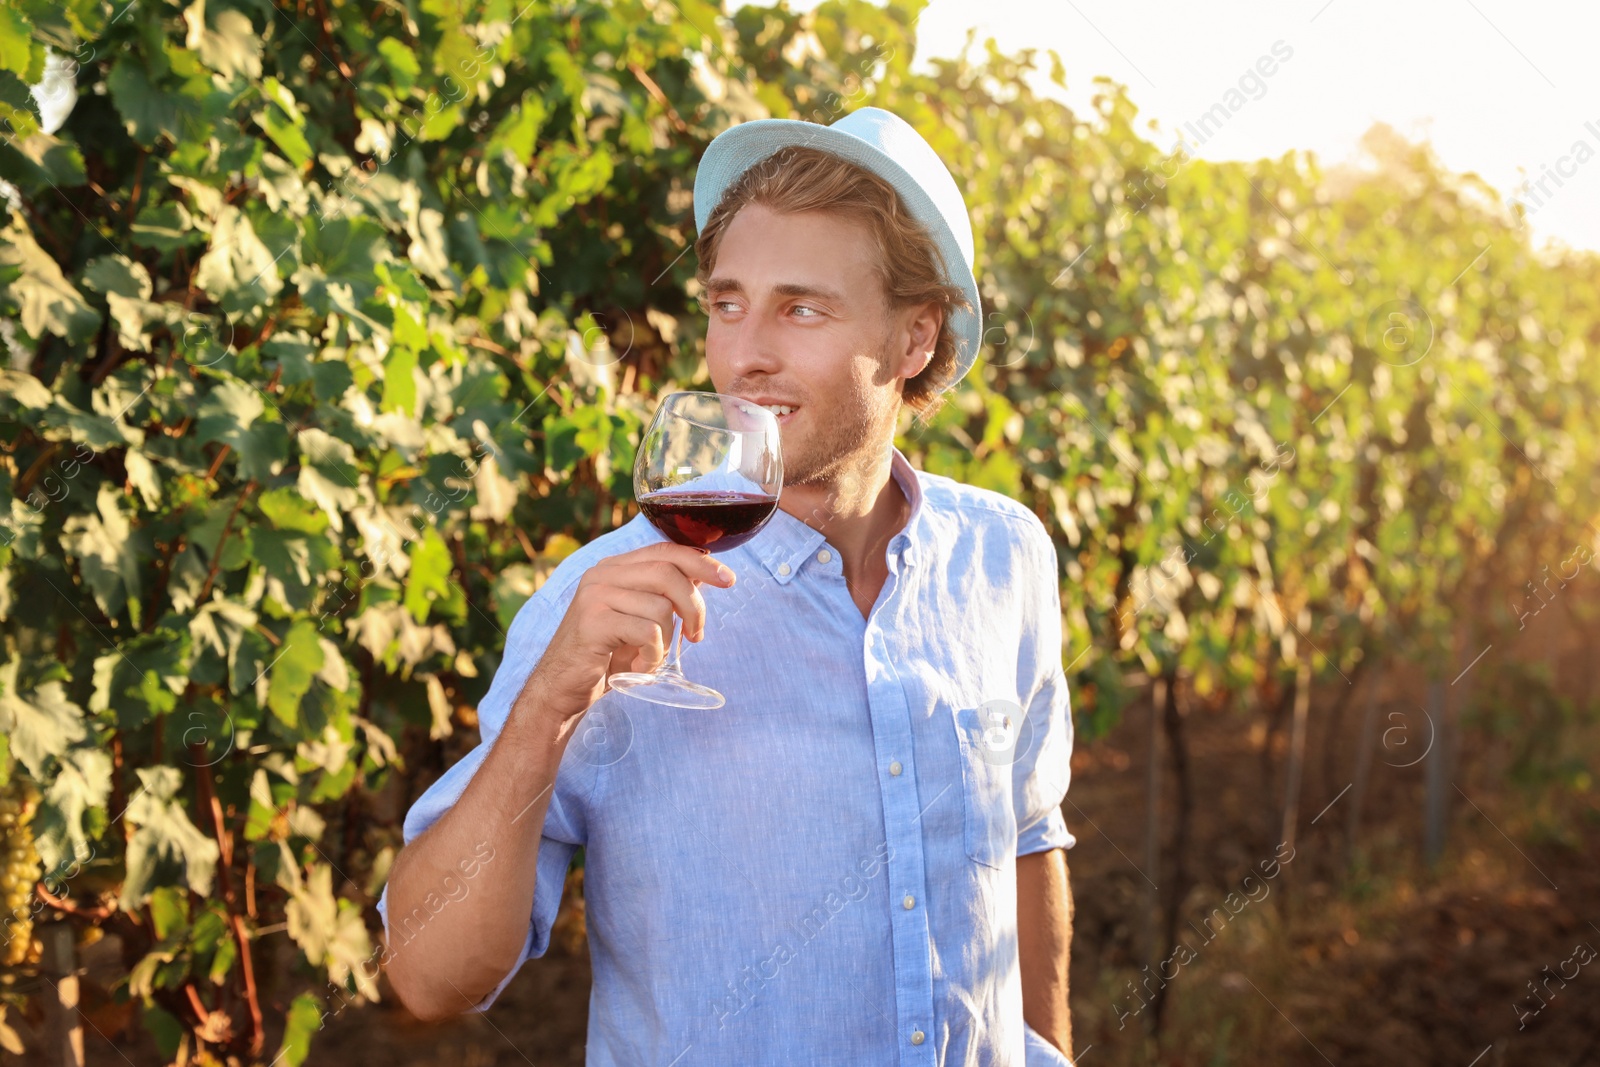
[(666, 686)]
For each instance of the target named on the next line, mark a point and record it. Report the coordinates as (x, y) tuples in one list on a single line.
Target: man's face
[(798, 315)]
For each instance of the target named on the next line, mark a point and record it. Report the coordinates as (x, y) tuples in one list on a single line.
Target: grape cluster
[(18, 802)]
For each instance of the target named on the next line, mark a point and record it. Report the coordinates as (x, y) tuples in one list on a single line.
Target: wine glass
[(707, 475)]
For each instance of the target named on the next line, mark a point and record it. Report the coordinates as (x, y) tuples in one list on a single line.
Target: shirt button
[(916, 1037), (824, 556), (783, 568), (909, 903), (894, 768)]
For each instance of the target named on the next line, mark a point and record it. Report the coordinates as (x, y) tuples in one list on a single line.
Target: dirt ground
[(1359, 954)]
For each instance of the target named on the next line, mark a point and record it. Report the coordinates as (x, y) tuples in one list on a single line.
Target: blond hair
[(799, 178)]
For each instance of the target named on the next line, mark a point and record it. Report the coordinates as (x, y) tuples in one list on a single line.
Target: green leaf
[(264, 807), (286, 135), (24, 390), (248, 673), (165, 226), (53, 161), (18, 53), (293, 564), (118, 274), (513, 586), (328, 473), (341, 257), (142, 476), (148, 111), (107, 556), (401, 61), (238, 271), (210, 928), (232, 414), (162, 1025), (429, 579), (305, 1019), (296, 664), (222, 963), (399, 387), (95, 430), (292, 353), (42, 725), (231, 49), (288, 510), (166, 847), (278, 93), (218, 629), (328, 930), (82, 783), (169, 910), (141, 679), (518, 132), (48, 302)]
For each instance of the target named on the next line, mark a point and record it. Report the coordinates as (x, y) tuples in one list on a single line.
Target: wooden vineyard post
[(1152, 828), (1437, 813), (1297, 749), (1369, 741), (64, 1035)]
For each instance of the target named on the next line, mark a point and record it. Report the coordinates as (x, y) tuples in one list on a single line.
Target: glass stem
[(671, 665)]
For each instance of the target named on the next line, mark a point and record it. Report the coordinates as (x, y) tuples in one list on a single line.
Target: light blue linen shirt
[(823, 870)]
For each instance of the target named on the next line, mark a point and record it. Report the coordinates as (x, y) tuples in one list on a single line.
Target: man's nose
[(753, 345)]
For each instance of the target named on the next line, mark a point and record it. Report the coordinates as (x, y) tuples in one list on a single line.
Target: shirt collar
[(788, 543)]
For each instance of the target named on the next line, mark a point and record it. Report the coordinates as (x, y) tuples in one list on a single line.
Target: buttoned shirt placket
[(897, 779)]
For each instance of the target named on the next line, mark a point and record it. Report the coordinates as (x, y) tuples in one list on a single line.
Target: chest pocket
[(989, 737)]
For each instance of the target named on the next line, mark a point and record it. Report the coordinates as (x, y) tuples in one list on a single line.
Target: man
[(859, 858)]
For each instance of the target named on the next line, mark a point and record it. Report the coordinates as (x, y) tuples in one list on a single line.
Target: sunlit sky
[(1501, 88)]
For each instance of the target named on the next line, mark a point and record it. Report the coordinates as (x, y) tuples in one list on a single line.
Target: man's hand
[(620, 619)]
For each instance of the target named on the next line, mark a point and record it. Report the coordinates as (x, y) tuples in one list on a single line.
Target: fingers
[(630, 658), (650, 606), (622, 614), (642, 634), (662, 579), (696, 564)]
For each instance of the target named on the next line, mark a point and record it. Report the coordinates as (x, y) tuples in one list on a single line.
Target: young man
[(859, 858)]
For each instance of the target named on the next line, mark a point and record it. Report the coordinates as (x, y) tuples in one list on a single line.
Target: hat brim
[(741, 147)]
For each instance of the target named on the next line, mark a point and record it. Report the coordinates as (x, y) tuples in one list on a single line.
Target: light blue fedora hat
[(888, 146)]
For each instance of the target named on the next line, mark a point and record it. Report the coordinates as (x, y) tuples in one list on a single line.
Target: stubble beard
[(837, 455), (838, 458)]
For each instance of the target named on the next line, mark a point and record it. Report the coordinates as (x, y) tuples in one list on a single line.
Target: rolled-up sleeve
[(1041, 1053), (565, 822), (1044, 763)]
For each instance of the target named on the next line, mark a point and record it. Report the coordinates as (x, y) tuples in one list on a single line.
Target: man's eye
[(806, 307), (718, 305)]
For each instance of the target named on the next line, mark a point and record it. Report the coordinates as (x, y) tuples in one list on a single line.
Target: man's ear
[(916, 334)]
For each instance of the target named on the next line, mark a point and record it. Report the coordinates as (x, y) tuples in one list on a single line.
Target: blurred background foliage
[(330, 327)]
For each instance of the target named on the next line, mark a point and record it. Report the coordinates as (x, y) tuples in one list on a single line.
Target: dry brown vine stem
[(208, 803), (67, 907), (660, 97), (216, 553)]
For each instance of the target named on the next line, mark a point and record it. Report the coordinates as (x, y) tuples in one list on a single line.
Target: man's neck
[(858, 513)]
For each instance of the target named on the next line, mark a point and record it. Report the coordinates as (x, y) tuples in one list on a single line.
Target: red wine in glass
[(714, 521), (707, 475)]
